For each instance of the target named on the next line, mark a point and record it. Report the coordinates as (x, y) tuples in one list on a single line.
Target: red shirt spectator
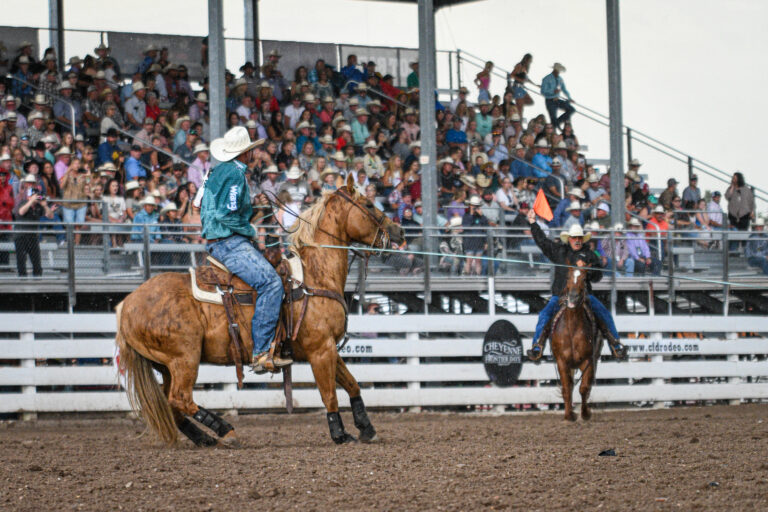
[(6, 200)]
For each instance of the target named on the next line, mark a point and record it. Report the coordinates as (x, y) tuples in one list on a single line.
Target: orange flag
[(541, 207)]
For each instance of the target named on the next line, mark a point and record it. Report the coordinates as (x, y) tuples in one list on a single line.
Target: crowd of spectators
[(140, 154)]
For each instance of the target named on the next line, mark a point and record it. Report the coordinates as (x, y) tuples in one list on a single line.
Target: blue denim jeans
[(247, 263), (601, 312)]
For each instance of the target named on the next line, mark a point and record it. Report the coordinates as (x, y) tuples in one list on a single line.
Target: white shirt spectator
[(715, 212), (293, 114)]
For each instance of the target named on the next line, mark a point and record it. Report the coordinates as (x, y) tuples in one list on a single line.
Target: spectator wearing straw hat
[(133, 168), (552, 86), (371, 161), (360, 127), (639, 250), (146, 215), (11, 105), (21, 78), (200, 166), (474, 222), (757, 246), (135, 107), (30, 206)]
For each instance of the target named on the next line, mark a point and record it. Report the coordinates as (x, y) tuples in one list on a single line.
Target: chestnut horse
[(161, 326), (576, 342)]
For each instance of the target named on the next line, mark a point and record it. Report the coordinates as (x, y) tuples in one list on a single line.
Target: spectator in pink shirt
[(63, 157), (200, 167)]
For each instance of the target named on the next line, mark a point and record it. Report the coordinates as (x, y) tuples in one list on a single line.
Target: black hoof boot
[(196, 435), (336, 427), (362, 422)]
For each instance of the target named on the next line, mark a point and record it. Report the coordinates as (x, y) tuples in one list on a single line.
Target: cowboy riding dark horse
[(568, 251)]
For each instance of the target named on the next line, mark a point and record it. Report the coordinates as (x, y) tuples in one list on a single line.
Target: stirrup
[(535, 355), (618, 350), (264, 363)]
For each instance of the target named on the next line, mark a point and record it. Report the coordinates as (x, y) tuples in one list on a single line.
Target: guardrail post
[(427, 274), (690, 168), (71, 295), (28, 338), (147, 263), (450, 73), (491, 274), (413, 362), (614, 292), (106, 235), (656, 358), (458, 68), (733, 358), (726, 270), (671, 278), (629, 144)]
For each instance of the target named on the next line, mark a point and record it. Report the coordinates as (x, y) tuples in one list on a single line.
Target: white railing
[(411, 370)]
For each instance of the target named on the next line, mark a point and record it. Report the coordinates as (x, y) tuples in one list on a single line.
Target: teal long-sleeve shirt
[(226, 206)]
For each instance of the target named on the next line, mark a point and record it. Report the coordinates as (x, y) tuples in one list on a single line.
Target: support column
[(216, 67), (615, 106), (251, 11), (56, 29), (427, 82)]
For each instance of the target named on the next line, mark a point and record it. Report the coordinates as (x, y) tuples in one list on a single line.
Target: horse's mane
[(307, 225)]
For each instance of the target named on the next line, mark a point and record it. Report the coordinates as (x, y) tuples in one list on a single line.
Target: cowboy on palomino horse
[(569, 251), (225, 213)]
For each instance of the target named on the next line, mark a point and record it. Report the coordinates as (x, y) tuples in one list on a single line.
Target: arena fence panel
[(64, 363)]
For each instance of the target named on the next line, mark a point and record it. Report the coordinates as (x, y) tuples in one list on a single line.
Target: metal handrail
[(604, 121), (60, 98), (378, 92)]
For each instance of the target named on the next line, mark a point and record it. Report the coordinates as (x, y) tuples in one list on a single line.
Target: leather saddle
[(209, 282)]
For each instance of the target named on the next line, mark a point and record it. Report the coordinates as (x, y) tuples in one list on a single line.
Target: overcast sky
[(693, 70)]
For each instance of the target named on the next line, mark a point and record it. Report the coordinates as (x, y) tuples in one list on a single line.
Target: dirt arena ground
[(706, 458)]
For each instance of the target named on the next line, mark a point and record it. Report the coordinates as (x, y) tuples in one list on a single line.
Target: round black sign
[(502, 353)]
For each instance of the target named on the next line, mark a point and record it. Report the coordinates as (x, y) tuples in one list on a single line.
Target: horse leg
[(186, 427), (183, 377), (566, 381), (324, 369), (587, 379), (345, 379)]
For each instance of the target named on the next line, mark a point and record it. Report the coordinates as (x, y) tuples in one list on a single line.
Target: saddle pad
[(204, 281), (297, 269)]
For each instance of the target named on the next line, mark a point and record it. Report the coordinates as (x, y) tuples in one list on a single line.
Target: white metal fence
[(421, 364)]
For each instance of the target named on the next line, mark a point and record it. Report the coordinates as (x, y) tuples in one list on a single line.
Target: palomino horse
[(576, 342), (160, 325)]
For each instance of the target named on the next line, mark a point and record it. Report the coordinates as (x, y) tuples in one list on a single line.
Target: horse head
[(366, 224), (576, 287)]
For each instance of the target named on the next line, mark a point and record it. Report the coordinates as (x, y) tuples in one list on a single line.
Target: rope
[(527, 262)]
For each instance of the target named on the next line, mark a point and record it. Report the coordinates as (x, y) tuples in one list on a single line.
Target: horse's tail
[(144, 393)]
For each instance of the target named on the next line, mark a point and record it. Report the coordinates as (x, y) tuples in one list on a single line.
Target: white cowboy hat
[(251, 124), (170, 207), (361, 112), (468, 181), (137, 86), (338, 156), (110, 167), (354, 101), (202, 97), (593, 178), (542, 143), (618, 226), (576, 192), (327, 171), (63, 150), (575, 231), (39, 99), (370, 144), (131, 185), (148, 200), (593, 226), (556, 161), (271, 169), (29, 178), (235, 142), (659, 209), (309, 98), (575, 205), (558, 67), (302, 125), (415, 144), (635, 222), (635, 162), (759, 222), (35, 115), (65, 85), (475, 201), (199, 148), (294, 173), (326, 139), (455, 222)]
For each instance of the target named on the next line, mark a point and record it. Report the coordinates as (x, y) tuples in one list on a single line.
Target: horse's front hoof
[(205, 441), (230, 440), (345, 439), (570, 417), (369, 435), (586, 414)]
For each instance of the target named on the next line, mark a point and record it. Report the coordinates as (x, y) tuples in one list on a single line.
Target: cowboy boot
[(537, 350), (618, 349), (264, 362)]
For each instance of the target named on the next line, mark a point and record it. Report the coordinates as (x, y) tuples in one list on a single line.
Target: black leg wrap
[(213, 422), (194, 434), (362, 422), (336, 426)]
